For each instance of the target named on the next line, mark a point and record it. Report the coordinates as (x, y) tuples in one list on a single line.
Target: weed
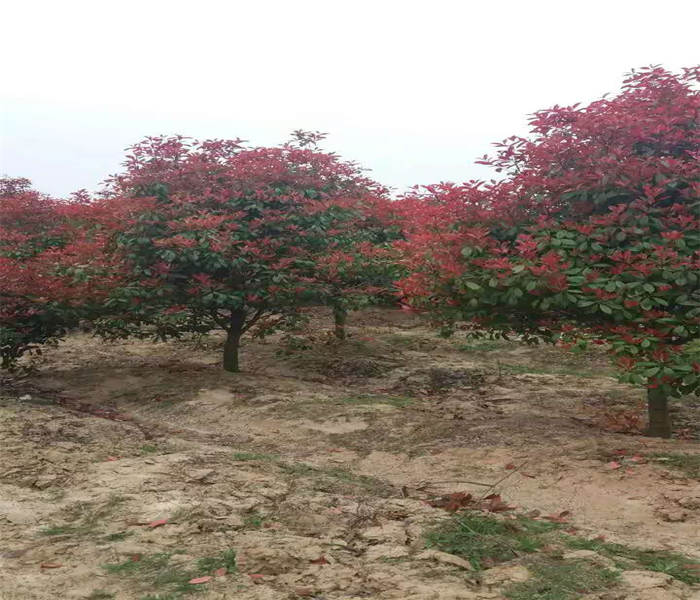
[(333, 475), (148, 449), (119, 536), (157, 571), (100, 595), (688, 463), (244, 456), (671, 563), (85, 518), (554, 579), (254, 520), (484, 540)]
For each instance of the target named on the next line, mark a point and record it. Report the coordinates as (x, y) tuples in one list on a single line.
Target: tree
[(234, 236), (53, 266), (592, 236)]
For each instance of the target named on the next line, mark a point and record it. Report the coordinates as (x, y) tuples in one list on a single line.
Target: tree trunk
[(339, 315), (659, 418), (233, 341)]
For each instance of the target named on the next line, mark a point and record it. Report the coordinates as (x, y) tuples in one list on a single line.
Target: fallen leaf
[(637, 458), (50, 565), (452, 502), (304, 592), (154, 524), (112, 458), (510, 466), (558, 518), (321, 560), (220, 572), (496, 504), (196, 580), (614, 465), (255, 575)]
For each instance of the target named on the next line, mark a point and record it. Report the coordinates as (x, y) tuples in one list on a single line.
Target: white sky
[(413, 90)]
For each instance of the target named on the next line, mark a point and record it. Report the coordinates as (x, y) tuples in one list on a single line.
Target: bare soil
[(317, 466)]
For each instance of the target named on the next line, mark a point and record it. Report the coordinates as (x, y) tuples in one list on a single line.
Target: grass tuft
[(157, 572), (688, 463), (671, 563), (554, 579)]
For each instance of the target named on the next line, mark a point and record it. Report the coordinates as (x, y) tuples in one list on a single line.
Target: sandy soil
[(316, 466)]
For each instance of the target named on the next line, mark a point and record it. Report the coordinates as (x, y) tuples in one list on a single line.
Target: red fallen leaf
[(452, 502), (196, 580), (496, 504), (256, 577), (112, 458), (600, 538), (510, 466), (154, 524), (135, 557), (614, 465), (220, 572), (50, 565), (335, 450), (620, 452), (638, 459), (304, 592), (560, 518), (321, 560)]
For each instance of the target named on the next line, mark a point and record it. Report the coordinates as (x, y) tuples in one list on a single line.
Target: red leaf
[(510, 466), (321, 560), (154, 524), (496, 504), (196, 580), (220, 572), (614, 465), (50, 565), (112, 458)]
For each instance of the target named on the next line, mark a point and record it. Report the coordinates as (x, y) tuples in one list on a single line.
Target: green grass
[(486, 540), (328, 478), (671, 563), (245, 456), (484, 346), (170, 581), (100, 595), (554, 579), (483, 540), (85, 518), (397, 401), (119, 536), (148, 449), (688, 463), (254, 520)]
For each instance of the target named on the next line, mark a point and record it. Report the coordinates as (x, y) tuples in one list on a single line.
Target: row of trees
[(591, 235)]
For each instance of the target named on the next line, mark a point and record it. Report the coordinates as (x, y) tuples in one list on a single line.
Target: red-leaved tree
[(593, 234), (237, 237), (54, 265)]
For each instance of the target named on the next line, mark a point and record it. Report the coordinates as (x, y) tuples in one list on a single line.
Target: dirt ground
[(128, 468)]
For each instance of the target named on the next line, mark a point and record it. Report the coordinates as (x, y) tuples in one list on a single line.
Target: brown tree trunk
[(233, 341), (339, 315), (659, 418)]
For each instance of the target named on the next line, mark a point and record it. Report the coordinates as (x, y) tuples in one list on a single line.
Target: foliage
[(54, 266), (237, 237), (592, 236)]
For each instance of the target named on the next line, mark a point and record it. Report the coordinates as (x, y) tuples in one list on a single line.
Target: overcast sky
[(415, 91)]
